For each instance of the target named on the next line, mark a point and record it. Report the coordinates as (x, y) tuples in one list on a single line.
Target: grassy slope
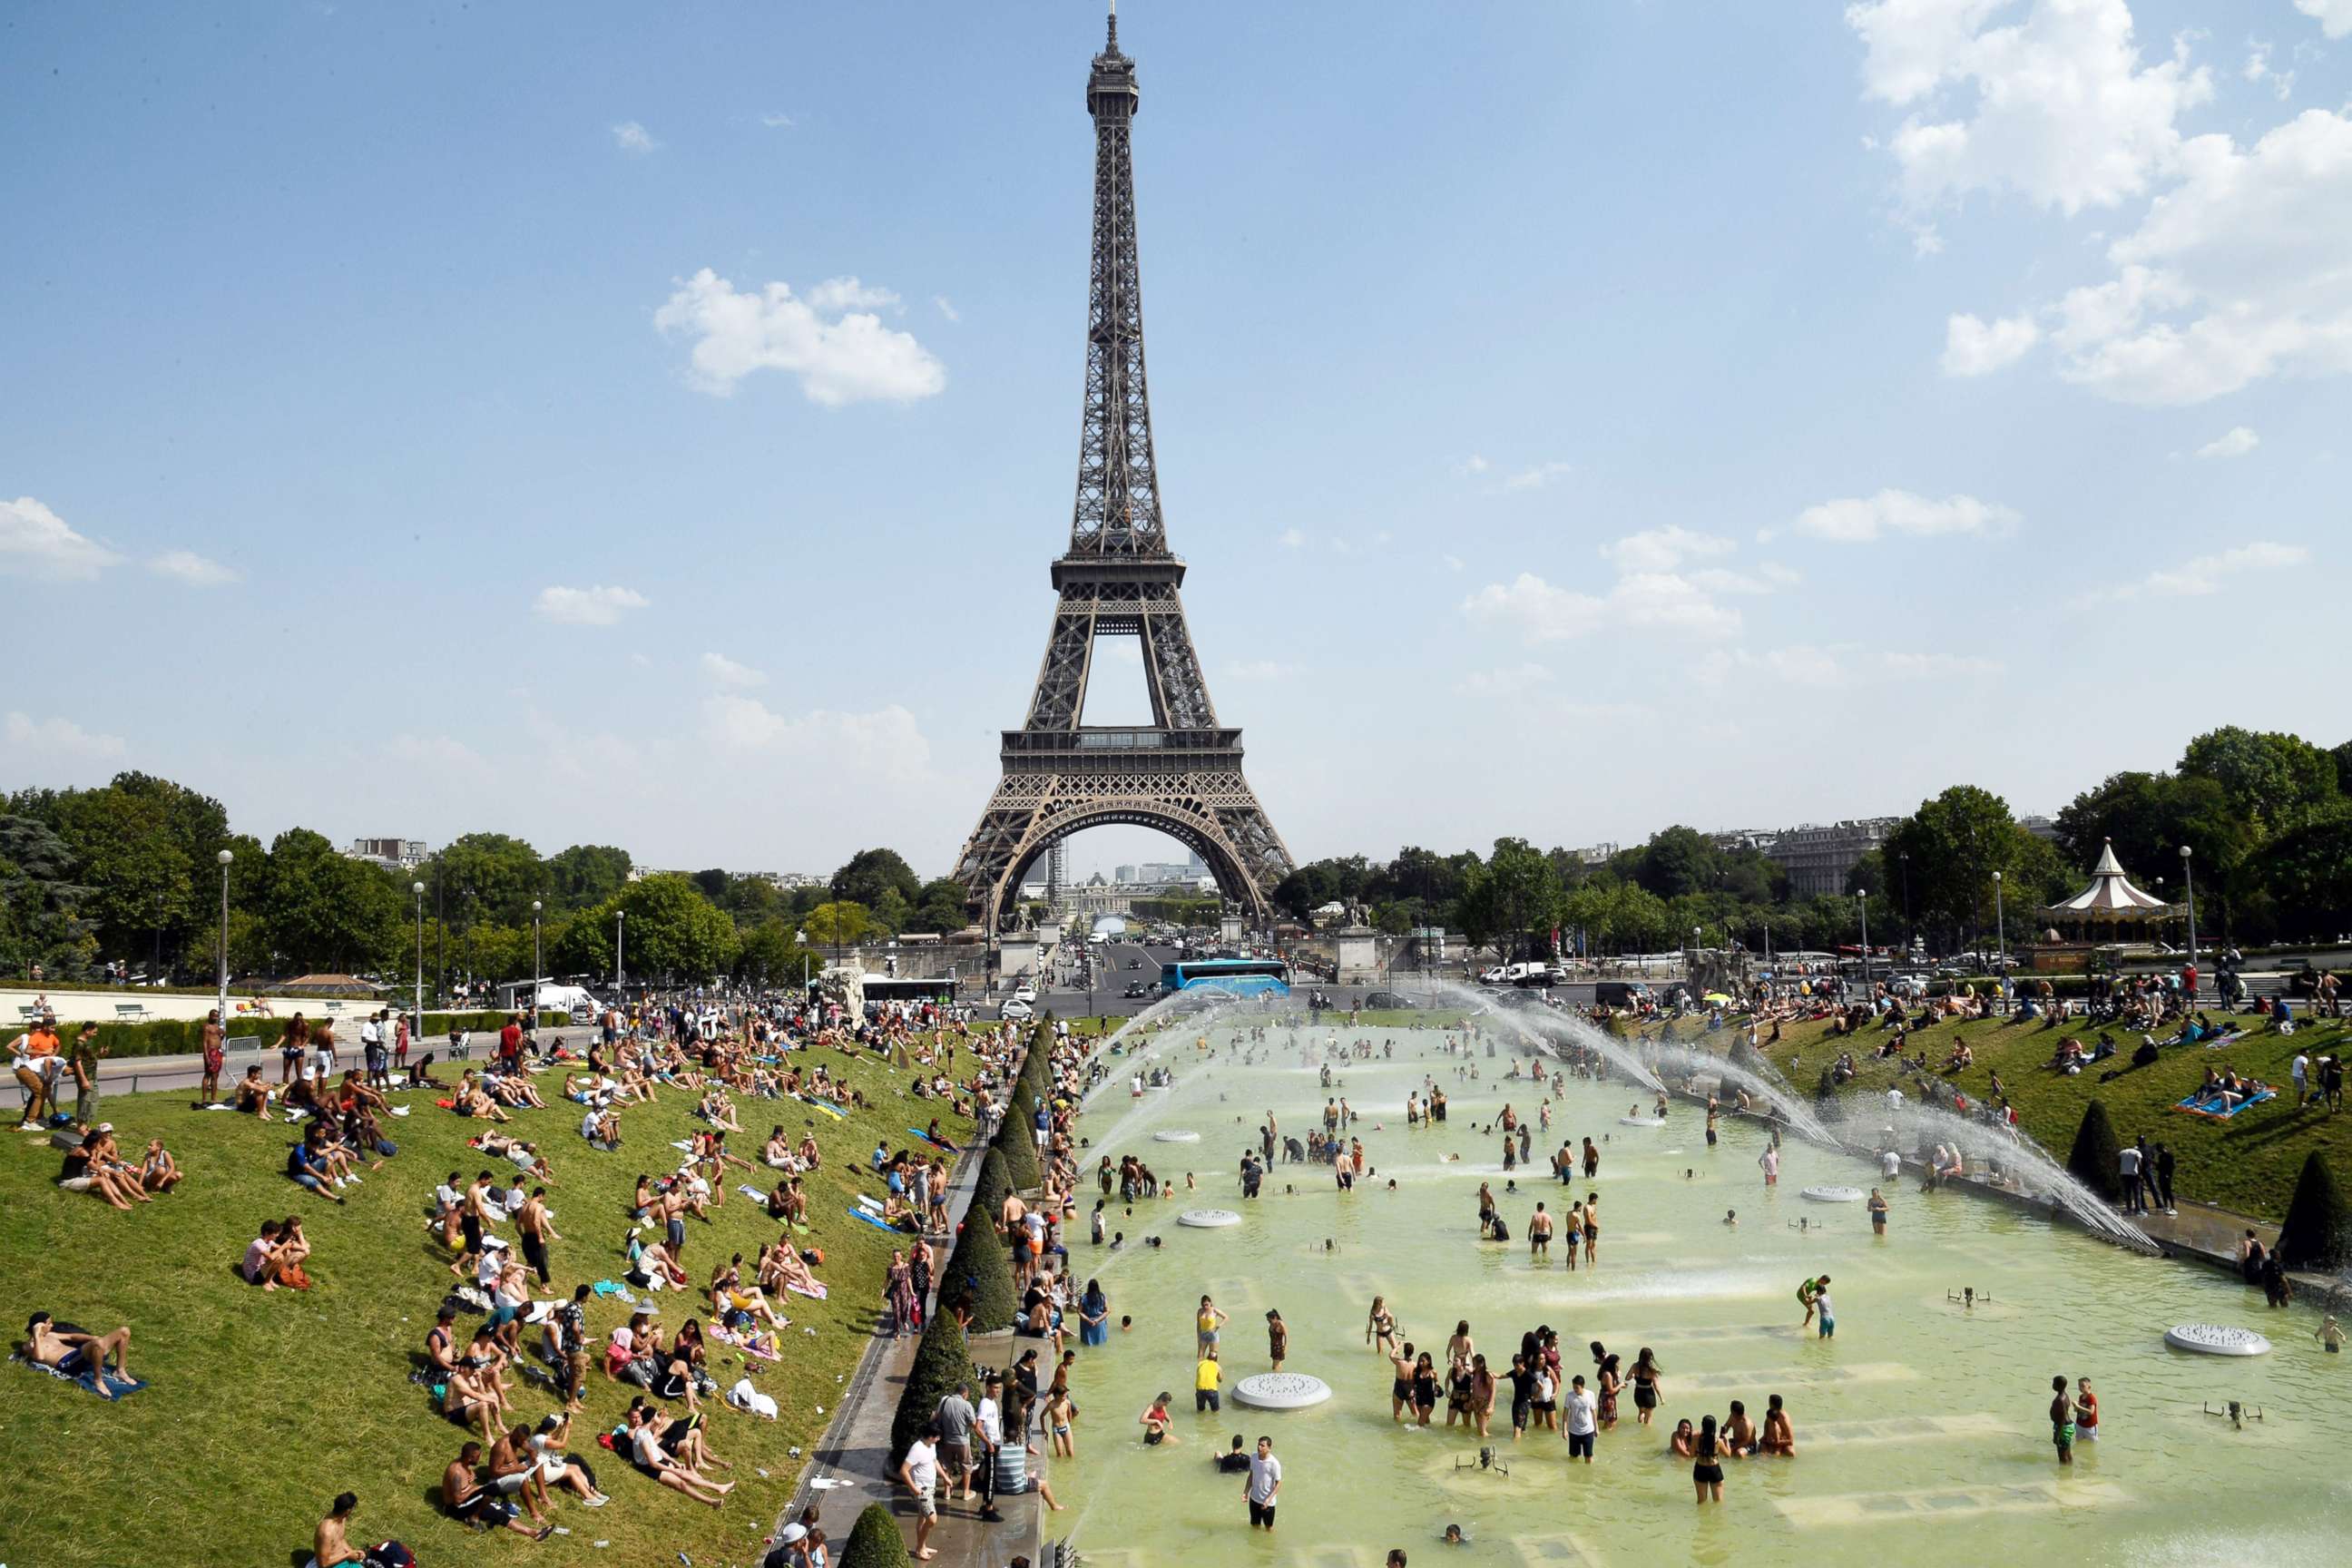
[(2248, 1163), (263, 1406)]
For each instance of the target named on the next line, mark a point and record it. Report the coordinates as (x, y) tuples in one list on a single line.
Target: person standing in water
[(2061, 1420), (1828, 1329), (2086, 1412), (1706, 1467), (1539, 1235), (1592, 1226), (1877, 1212), (1770, 1161), (1277, 1337), (1380, 1328), (1649, 1383)]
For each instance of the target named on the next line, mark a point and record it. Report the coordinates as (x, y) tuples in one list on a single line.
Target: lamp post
[(620, 930), (1903, 858), (536, 973), (418, 890), (225, 856), (1999, 928), (1861, 903), (2190, 879)]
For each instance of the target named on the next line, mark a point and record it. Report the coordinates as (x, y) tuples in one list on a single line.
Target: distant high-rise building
[(1123, 874), (1057, 869)]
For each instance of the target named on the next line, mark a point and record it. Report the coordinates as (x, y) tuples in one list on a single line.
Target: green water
[(1921, 1429)]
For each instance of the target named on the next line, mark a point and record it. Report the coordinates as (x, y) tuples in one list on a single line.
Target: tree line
[(129, 871), (2267, 817)]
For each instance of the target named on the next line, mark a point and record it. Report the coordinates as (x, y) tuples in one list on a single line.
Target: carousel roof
[(2111, 896)]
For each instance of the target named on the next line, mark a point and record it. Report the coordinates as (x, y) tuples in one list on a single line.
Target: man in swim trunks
[(1779, 1437), (74, 1351), (2061, 1420), (1540, 1235)]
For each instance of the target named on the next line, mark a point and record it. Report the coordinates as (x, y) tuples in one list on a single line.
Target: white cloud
[(947, 308), (2236, 442), (1541, 613), (2334, 16), (1936, 666), (778, 122), (1510, 680), (1974, 347), (848, 359), (2235, 274), (56, 738), (632, 137), (1453, 562), (36, 542), (1859, 519), (196, 571), (1469, 466), (1765, 579), (1290, 539), (725, 671), (888, 740), (1259, 670), (836, 295), (1535, 477), (2203, 576), (2258, 70), (1664, 549), (598, 606), (2056, 104)]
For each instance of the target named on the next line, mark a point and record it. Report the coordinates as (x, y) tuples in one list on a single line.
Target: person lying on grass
[(75, 1351), (477, 1504), (672, 1453), (88, 1170), (556, 1468)]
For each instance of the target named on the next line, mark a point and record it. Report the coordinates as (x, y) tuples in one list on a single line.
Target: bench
[(130, 1012), (27, 1011)]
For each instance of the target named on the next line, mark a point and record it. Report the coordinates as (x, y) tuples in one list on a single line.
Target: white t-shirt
[(990, 1420), (647, 1447), (923, 1465), (1580, 1406), (1265, 1474), (1894, 1100), (1891, 1162), (2128, 1160), (1821, 1301)]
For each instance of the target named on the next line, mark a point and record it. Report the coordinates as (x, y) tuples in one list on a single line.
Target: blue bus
[(1239, 976)]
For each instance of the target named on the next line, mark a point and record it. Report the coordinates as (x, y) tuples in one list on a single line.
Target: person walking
[(920, 1472), (2164, 1163)]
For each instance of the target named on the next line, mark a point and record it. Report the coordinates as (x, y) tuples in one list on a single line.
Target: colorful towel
[(2211, 1106), (105, 1384), (935, 1142), (817, 1294), (876, 1221)]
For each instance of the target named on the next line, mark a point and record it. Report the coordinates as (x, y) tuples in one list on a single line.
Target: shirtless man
[(1540, 1235), (74, 1351), (514, 1472), (475, 1503), (214, 1042), (330, 1545), (1739, 1439), (538, 1228), (1779, 1438)]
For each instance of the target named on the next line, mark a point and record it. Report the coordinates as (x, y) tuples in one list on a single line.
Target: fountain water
[(1918, 1124), (1543, 1026), (1691, 1060)]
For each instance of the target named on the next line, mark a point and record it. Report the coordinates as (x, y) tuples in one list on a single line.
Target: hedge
[(2317, 1230), (979, 1271), (1016, 1143), (2096, 1159), (178, 1036)]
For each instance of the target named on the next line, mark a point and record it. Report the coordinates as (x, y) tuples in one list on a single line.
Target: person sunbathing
[(76, 1352), (159, 1172), (661, 1450), (649, 1261), (470, 1500)]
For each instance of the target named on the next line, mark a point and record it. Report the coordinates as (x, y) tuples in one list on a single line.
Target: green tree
[(942, 906), (1955, 843), (2306, 873), (839, 924), (41, 919), (324, 912), (128, 851), (869, 873), (586, 875), (769, 953), (672, 932), (504, 873), (2317, 1230), (2276, 781), (2095, 1160), (1678, 860)]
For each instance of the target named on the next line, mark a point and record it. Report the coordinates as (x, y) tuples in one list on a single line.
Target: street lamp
[(1903, 858), (418, 890), (2000, 927), (225, 856), (2190, 880), (536, 973), (620, 970), (1861, 902)]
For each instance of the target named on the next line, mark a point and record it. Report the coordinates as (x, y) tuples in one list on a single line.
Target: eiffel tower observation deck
[(1181, 774)]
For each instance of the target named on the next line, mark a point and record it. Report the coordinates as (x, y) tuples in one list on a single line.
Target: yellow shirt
[(1209, 1374)]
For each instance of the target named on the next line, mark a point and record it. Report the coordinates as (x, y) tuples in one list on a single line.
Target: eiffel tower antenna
[(1181, 774)]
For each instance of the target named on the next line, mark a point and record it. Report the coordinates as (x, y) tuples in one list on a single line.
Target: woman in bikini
[(1649, 1383), (1380, 1328)]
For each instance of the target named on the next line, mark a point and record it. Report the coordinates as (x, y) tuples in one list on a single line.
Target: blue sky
[(1578, 417)]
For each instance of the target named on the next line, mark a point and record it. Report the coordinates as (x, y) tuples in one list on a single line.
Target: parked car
[(1619, 993), (1390, 1001), (1017, 1010)]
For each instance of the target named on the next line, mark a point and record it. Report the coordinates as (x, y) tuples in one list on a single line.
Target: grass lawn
[(2248, 1163), (264, 1405)]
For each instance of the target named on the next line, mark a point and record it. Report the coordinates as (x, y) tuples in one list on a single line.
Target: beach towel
[(752, 1193), (876, 1221), (2211, 1106), (814, 1293), (106, 1386), (935, 1142)]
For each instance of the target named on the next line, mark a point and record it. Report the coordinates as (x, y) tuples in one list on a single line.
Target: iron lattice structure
[(1182, 774)]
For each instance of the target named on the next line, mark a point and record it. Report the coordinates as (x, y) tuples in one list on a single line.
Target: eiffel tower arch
[(1181, 774)]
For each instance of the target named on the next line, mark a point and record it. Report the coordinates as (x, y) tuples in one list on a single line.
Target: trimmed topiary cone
[(875, 1541), (2317, 1230), (941, 1361), (2094, 1162)]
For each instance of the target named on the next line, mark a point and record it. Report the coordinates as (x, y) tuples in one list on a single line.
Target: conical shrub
[(2318, 1231), (2093, 1161), (941, 1361), (875, 1541)]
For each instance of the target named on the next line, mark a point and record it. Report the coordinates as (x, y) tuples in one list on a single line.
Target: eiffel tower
[(1181, 774)]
